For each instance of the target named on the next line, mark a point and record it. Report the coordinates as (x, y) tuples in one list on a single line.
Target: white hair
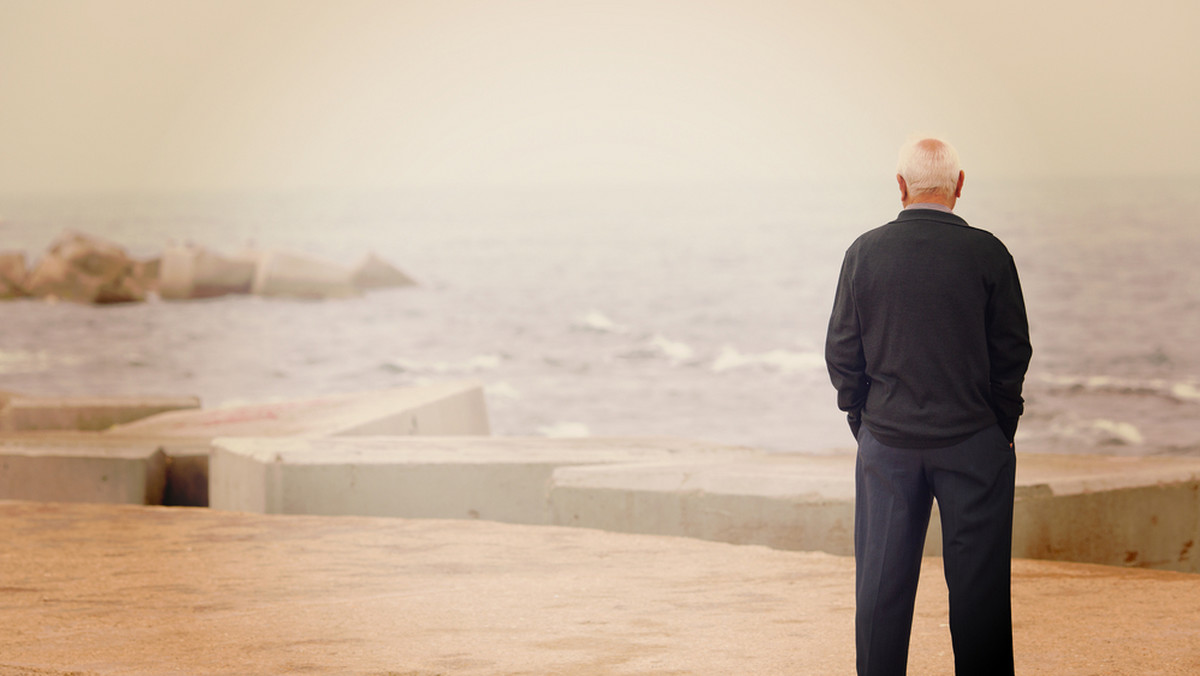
[(929, 165)]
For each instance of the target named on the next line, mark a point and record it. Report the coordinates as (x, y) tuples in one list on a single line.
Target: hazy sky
[(250, 94)]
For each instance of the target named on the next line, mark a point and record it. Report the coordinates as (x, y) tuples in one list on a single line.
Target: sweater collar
[(920, 214), (929, 205)]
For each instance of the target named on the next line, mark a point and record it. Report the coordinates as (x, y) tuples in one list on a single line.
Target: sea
[(694, 311)]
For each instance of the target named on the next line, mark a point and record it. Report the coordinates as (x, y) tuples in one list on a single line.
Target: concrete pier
[(100, 590)]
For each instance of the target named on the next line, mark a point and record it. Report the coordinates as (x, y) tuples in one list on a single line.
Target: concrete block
[(286, 274), (375, 273), (1121, 511), (186, 481), (189, 271), (441, 409), (1116, 510), (50, 472), (22, 413), (780, 501), (498, 479)]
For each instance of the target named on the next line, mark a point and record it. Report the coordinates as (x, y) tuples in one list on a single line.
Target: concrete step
[(495, 478), (186, 458), (59, 470), (184, 433), (1125, 511), (441, 408), (21, 413)]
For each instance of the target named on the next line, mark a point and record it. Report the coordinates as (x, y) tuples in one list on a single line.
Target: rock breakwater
[(83, 268)]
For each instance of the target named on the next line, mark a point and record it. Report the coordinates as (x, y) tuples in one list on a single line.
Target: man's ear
[(958, 189), (904, 188)]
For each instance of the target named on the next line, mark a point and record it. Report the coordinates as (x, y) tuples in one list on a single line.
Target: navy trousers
[(973, 484)]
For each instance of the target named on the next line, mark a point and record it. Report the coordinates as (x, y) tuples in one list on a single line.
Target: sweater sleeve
[(1009, 349), (844, 355)]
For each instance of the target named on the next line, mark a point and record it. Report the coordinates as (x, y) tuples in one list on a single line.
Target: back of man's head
[(929, 166)]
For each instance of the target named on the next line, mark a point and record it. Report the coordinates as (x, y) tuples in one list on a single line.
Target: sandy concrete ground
[(98, 589)]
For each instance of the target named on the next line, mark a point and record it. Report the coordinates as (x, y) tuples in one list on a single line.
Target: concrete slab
[(24, 413), (186, 458), (436, 409), (500, 479), (1123, 511), (99, 590), (280, 273), (58, 472), (373, 272), (781, 501), (189, 271)]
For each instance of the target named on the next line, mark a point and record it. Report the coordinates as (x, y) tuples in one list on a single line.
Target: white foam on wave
[(476, 364), (502, 390), (594, 320), (673, 350), (1120, 431), (659, 346), (1099, 431), (565, 430), (783, 361), (1178, 391), (1186, 391)]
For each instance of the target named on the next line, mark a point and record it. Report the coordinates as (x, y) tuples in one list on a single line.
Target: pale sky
[(172, 95)]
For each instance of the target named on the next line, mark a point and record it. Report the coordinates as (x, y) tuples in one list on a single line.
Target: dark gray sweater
[(928, 342)]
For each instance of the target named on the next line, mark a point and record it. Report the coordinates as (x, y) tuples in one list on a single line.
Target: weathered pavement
[(103, 589)]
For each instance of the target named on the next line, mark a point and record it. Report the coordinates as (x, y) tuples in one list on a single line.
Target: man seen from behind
[(928, 345)]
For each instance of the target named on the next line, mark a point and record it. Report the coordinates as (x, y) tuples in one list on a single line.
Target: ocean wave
[(1185, 392), (659, 346), (1101, 432), (476, 364), (596, 321), (1180, 391), (783, 361)]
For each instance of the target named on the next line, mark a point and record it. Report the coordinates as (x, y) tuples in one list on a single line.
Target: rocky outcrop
[(87, 269), (12, 275)]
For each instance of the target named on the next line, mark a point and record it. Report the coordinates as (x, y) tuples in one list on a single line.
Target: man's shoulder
[(950, 224), (918, 229)]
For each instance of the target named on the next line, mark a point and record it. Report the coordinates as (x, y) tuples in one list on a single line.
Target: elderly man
[(927, 346)]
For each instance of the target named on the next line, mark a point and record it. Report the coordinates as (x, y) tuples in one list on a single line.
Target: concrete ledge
[(499, 479), (1116, 510), (441, 409), (785, 502), (186, 480), (22, 414), (56, 472), (1098, 509)]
